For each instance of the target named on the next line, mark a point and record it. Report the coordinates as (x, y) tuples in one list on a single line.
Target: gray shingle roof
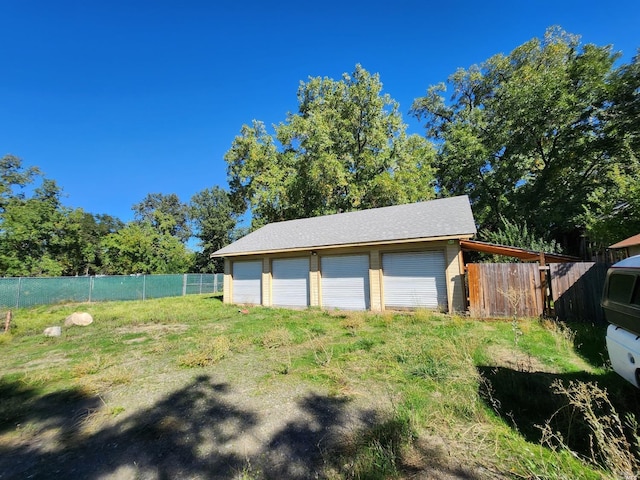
[(436, 218)]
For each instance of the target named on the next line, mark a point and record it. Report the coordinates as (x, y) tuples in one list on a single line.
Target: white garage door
[(345, 282), (290, 284), (414, 279), (247, 284)]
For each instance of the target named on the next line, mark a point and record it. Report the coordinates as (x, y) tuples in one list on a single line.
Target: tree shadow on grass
[(526, 400), (168, 440), (590, 343), (194, 432), (197, 432), (21, 404)]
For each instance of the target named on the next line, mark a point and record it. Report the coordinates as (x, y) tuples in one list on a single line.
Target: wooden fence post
[(543, 285), (7, 322)]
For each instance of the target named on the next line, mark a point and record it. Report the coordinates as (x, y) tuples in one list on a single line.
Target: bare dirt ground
[(236, 419)]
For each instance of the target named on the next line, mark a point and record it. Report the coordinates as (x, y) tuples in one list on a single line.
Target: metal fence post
[(215, 283), (184, 284), (144, 287), (18, 292)]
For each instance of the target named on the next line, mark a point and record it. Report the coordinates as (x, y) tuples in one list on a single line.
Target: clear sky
[(117, 99)]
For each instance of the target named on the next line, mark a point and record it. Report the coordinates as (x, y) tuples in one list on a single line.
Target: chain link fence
[(28, 291)]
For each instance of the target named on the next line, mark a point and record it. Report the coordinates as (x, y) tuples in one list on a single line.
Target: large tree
[(14, 177), (140, 248), (166, 213), (617, 215), (80, 249), (526, 135), (214, 224), (31, 233), (38, 235), (345, 149)]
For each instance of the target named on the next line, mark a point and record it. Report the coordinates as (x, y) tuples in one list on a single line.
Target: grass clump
[(207, 354), (353, 322), (377, 452), (277, 337)]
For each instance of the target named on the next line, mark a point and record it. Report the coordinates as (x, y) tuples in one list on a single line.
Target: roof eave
[(345, 245)]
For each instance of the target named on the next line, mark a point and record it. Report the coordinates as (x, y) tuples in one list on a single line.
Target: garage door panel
[(247, 282), (290, 282), (345, 282), (414, 279)]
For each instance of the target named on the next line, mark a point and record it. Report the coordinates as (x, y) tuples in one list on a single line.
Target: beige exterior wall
[(314, 281), (634, 250), (266, 282), (227, 287), (456, 296), (455, 278), (375, 280)]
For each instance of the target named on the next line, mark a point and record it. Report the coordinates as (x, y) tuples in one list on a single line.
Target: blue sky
[(114, 100)]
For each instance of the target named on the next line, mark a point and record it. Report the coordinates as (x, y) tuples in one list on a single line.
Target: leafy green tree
[(140, 248), (13, 178), (345, 149), (623, 124), (526, 136), (518, 235), (214, 221), (617, 215), (166, 213), (31, 234), (81, 237)]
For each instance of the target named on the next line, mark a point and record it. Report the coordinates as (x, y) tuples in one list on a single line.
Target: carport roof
[(627, 242), (442, 218)]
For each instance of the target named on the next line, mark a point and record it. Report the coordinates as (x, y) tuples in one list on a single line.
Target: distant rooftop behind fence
[(16, 292)]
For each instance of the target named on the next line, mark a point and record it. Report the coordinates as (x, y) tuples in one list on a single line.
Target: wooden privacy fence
[(576, 289), (504, 289), (508, 289)]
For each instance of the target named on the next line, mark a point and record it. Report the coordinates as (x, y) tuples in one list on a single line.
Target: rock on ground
[(52, 332), (78, 318)]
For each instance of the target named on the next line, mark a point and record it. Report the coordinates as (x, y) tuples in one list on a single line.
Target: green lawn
[(197, 389)]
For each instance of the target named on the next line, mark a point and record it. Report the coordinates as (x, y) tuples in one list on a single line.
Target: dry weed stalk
[(609, 445), (515, 297)]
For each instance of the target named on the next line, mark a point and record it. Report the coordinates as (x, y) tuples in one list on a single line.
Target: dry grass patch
[(208, 353), (503, 356), (353, 322), (277, 337), (91, 366), (155, 330)]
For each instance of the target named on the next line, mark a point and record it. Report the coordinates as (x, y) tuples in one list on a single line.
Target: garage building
[(403, 256)]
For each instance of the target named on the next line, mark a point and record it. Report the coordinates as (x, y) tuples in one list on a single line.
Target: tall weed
[(610, 446)]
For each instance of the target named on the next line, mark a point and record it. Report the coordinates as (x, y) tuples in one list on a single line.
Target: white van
[(621, 305)]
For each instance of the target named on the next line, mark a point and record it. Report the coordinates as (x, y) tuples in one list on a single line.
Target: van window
[(620, 287), (636, 294)]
